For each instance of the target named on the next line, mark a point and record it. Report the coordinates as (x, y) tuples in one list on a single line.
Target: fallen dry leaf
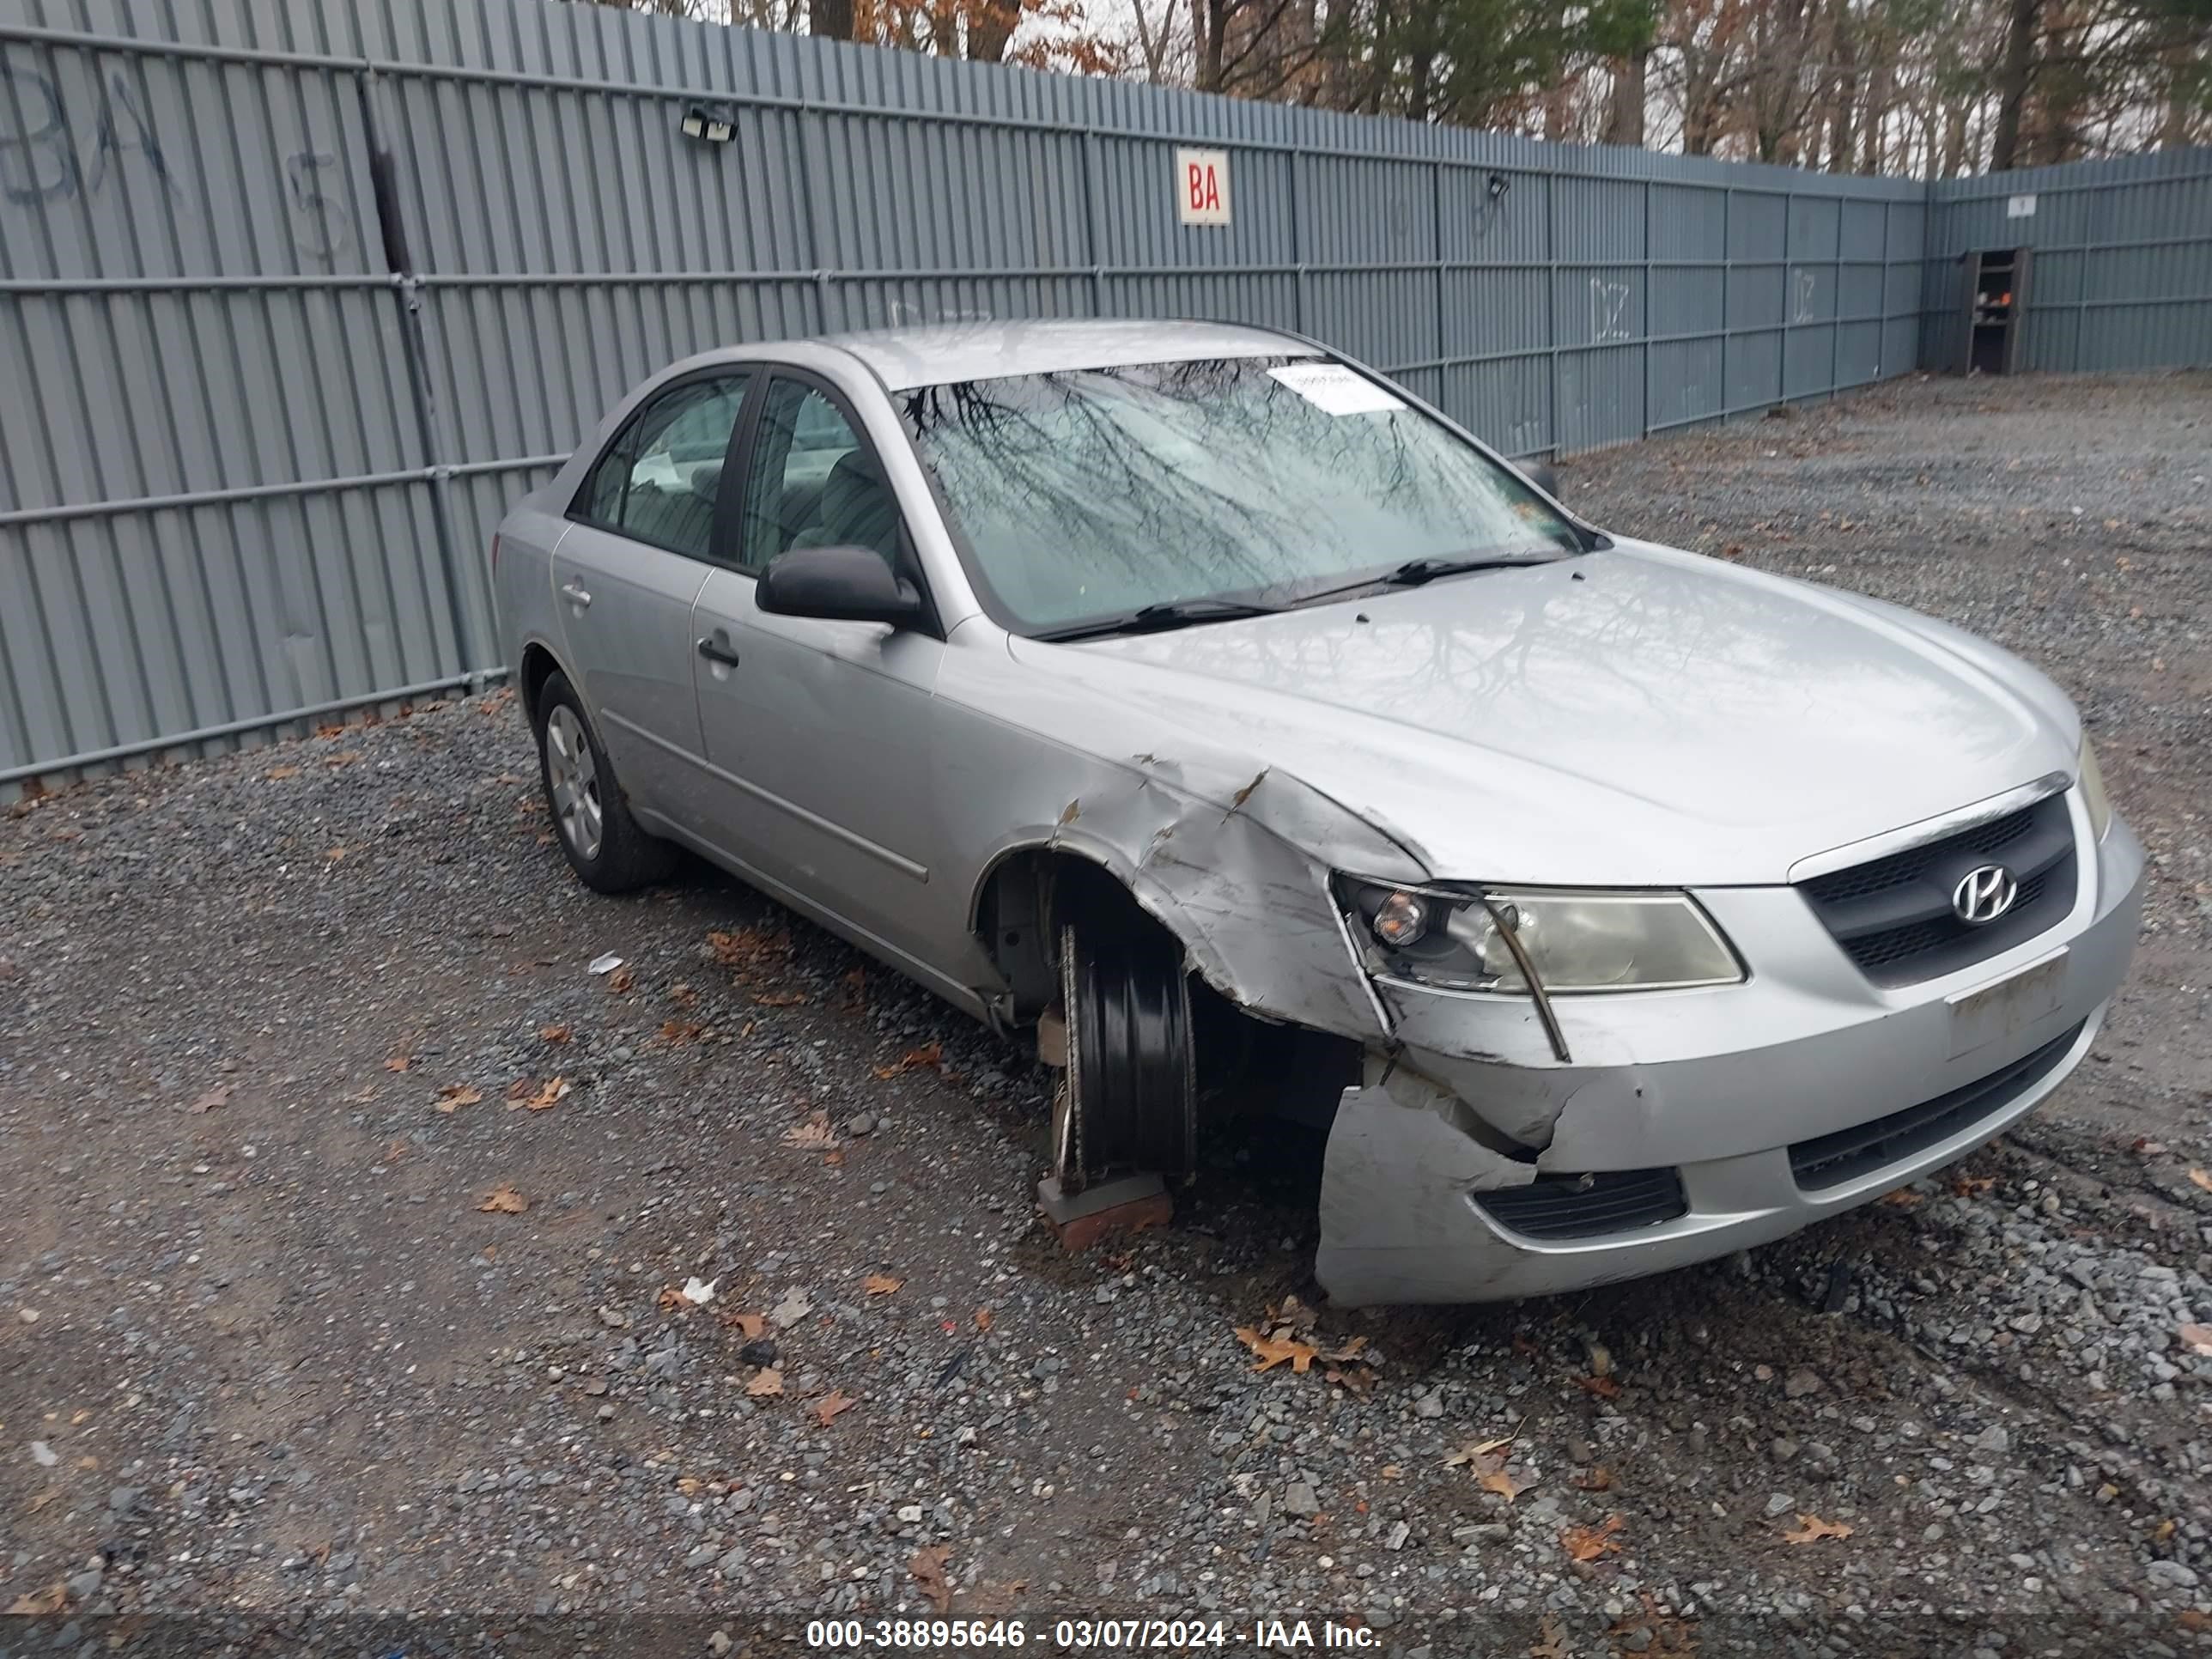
[(1903, 1199), (780, 999), (454, 1096), (815, 1135), (1972, 1186), (1270, 1351), (399, 1063), (551, 1093), (213, 1099), (880, 1285), (553, 1033), (1475, 1451), (832, 1406), (52, 1599), (2202, 1179), (2197, 1338), (928, 1057), (1605, 1387), (982, 1319), (747, 1325), (503, 1199), (767, 1380), (1588, 1543), (929, 1569), (1502, 1482), (278, 773), (1552, 1643), (1598, 1479), (620, 980), (749, 947), (1811, 1529), (681, 1030)]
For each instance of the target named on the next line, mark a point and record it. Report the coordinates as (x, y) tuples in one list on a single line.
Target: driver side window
[(814, 483), (660, 479)]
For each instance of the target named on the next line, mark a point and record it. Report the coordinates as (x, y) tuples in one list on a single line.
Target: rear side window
[(660, 479)]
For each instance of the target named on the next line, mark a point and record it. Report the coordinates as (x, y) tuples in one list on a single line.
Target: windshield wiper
[(1414, 572), (1159, 618)]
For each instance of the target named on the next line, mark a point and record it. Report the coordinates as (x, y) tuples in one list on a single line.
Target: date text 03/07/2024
[(1078, 1635)]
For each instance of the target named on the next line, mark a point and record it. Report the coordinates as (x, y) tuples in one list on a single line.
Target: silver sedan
[(1192, 701)]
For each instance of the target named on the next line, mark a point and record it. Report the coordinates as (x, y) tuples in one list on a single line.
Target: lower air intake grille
[(1587, 1207), (1848, 1154)]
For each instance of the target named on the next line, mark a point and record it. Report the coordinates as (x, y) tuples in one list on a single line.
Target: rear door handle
[(713, 651), (575, 593)]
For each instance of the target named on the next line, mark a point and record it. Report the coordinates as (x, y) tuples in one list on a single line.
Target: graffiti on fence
[(1808, 286), (41, 154), (1608, 304), (319, 226)]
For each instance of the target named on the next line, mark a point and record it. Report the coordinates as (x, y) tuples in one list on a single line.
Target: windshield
[(1093, 494)]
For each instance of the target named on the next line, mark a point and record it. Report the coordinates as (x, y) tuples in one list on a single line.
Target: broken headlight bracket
[(1534, 942)]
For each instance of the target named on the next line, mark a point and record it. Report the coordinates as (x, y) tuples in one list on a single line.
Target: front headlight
[(2094, 800), (1454, 940)]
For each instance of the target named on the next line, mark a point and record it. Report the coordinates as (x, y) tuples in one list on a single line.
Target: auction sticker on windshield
[(1333, 387)]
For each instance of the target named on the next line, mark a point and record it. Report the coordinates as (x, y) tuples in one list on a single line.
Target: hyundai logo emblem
[(1984, 894)]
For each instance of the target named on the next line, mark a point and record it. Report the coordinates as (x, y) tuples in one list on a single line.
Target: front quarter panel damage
[(1234, 858), (1237, 884), (1395, 1225)]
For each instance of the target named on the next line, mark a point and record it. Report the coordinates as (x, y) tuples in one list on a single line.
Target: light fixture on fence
[(1499, 183), (712, 124)]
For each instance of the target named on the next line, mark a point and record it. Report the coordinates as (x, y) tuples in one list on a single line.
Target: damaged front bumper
[(1699, 1123)]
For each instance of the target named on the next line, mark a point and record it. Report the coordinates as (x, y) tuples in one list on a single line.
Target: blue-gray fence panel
[(262, 400), (2121, 269)]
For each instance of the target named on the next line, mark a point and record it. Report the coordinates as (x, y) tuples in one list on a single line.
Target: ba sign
[(1202, 186)]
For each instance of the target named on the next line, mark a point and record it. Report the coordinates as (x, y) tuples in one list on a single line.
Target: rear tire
[(592, 819), (1128, 1099)]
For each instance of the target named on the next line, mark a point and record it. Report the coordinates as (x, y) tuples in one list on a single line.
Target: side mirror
[(838, 584), (1544, 475)]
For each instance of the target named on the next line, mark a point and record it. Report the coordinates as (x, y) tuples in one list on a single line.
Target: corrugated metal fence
[(2122, 275), (294, 299)]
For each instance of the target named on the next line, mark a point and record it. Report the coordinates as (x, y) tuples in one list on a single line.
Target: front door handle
[(716, 651), (575, 593)]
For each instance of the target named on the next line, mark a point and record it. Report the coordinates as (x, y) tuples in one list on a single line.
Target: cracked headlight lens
[(1576, 942), (2094, 800)]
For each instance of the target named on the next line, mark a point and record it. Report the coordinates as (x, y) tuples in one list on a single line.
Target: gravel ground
[(350, 1217)]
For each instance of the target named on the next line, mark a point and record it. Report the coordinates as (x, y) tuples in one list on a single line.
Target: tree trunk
[(990, 29), (1953, 159), (1212, 20), (2014, 73), (1844, 97), (1627, 124), (830, 20), (1881, 89)]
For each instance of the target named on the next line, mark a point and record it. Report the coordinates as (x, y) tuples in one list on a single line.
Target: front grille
[(1587, 1207), (1892, 915), (1833, 1159)]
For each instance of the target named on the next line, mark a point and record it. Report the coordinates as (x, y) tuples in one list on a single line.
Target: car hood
[(1635, 716)]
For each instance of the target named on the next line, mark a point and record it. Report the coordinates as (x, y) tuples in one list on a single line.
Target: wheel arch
[(538, 664), (1253, 916)]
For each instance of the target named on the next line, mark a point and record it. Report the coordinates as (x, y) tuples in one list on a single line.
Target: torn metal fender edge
[(1244, 886)]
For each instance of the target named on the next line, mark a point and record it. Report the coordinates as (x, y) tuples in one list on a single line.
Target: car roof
[(940, 352)]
